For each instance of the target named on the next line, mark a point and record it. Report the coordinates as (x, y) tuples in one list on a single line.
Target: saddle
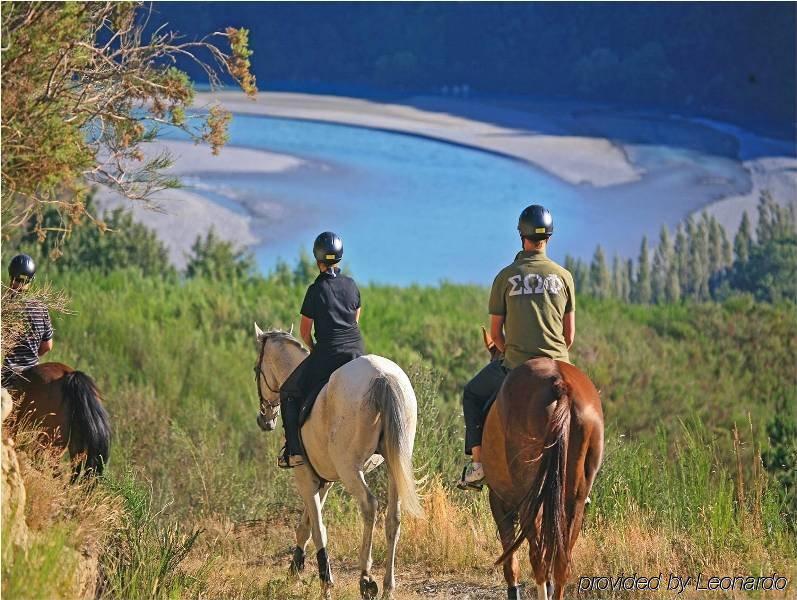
[(309, 402)]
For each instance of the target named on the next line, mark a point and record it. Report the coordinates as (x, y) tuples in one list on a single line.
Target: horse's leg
[(303, 534), (535, 558), (354, 480), (392, 528), (309, 486), (505, 521)]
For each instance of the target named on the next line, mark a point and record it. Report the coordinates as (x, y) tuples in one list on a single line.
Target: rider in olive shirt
[(532, 314)]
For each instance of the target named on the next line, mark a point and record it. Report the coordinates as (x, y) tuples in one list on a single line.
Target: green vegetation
[(174, 358), (86, 90), (701, 266)]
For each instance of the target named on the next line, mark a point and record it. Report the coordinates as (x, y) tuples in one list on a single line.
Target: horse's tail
[(550, 543), (386, 396), (89, 429)]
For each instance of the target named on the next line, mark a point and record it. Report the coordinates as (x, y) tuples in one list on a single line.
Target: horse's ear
[(258, 332), (488, 341)]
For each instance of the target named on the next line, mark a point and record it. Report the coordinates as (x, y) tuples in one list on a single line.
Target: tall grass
[(174, 363)]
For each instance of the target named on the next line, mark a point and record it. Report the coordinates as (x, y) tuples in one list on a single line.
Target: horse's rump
[(538, 415)]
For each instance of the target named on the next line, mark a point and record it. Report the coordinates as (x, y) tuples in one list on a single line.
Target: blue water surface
[(409, 209)]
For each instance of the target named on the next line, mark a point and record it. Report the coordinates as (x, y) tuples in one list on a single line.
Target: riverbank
[(646, 168)]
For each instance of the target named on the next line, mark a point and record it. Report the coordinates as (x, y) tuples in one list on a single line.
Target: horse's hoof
[(326, 589), (368, 588), (297, 562)]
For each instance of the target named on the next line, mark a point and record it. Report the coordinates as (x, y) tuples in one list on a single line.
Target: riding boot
[(290, 420)]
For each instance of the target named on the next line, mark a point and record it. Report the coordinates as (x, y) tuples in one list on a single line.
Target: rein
[(258, 374)]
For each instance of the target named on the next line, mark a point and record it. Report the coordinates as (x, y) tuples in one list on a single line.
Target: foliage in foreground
[(174, 359), (85, 91)]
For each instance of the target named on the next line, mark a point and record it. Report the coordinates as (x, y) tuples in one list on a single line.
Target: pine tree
[(727, 250), (743, 240), (617, 278), (698, 262), (765, 228), (581, 277), (715, 263), (681, 258), (662, 258), (628, 280), (599, 275), (672, 289), (642, 293)]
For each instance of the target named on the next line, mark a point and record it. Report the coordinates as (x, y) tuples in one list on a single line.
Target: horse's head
[(495, 354), (278, 354), (268, 393)]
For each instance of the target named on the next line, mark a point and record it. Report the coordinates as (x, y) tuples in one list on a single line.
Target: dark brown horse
[(66, 407), (541, 449)]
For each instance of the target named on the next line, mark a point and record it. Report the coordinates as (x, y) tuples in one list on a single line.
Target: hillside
[(174, 361)]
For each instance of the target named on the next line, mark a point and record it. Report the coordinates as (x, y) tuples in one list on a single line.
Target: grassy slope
[(175, 364)]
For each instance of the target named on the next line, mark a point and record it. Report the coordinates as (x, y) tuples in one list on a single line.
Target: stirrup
[(285, 461), (465, 485)]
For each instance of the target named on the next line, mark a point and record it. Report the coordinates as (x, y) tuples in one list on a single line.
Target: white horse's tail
[(386, 396)]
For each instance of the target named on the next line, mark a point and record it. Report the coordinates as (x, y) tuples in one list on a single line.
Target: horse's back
[(344, 425), (515, 428)]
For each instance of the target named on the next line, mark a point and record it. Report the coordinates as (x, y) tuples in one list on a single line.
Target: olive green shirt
[(533, 294)]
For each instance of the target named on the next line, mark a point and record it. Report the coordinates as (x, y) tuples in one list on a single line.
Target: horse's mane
[(285, 336)]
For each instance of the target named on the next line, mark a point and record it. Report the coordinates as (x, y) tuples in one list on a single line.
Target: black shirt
[(332, 302)]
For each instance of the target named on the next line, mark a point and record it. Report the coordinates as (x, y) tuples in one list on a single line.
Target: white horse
[(367, 407)]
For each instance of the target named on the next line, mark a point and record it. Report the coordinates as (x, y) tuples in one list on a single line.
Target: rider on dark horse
[(532, 314), (331, 306), (36, 339)]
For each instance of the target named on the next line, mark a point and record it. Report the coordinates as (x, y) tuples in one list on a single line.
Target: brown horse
[(541, 449), (66, 407)]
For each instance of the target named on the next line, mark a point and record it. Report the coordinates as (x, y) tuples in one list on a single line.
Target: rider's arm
[(45, 347), (497, 331), (306, 331), (569, 323)]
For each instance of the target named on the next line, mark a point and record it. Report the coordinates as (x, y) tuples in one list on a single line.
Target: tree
[(305, 270), (617, 277), (697, 263), (114, 242), (682, 258), (743, 240), (628, 281), (672, 288), (715, 253), (83, 94), (663, 258), (765, 229), (599, 275), (217, 259), (642, 290), (769, 272)]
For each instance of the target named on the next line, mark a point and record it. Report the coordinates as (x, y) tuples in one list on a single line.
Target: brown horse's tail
[(89, 428), (550, 542)]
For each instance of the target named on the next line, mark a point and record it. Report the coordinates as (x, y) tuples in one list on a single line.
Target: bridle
[(258, 374)]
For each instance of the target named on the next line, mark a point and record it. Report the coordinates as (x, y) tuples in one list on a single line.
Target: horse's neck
[(286, 362)]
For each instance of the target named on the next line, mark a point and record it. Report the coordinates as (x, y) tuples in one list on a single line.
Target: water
[(414, 210)]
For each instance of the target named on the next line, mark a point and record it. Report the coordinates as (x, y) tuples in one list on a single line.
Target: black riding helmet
[(328, 248), (535, 223), (22, 267)]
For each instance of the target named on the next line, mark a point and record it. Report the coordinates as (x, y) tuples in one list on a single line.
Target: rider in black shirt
[(331, 306)]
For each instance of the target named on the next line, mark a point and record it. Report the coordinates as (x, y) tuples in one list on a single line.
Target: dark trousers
[(477, 395), (305, 383)]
